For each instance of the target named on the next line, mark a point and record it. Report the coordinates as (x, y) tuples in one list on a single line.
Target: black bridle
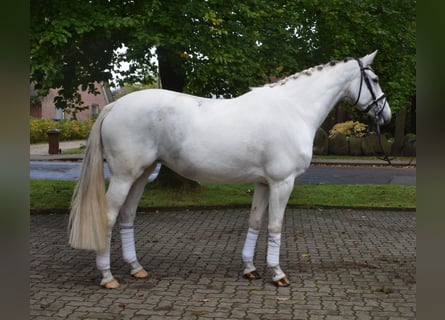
[(374, 104)]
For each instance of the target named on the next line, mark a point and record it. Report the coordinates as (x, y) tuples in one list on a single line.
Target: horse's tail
[(88, 222)]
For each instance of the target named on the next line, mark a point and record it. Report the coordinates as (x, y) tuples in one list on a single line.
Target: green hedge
[(69, 129)]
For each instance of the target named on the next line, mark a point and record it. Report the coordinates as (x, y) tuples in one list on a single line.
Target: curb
[(148, 210), (327, 162)]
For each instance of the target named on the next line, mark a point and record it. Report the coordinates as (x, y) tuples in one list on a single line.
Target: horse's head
[(369, 97)]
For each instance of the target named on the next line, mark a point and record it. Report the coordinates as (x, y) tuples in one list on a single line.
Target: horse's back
[(203, 139)]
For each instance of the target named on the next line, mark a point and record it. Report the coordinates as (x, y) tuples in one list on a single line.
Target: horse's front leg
[(258, 209), (279, 196)]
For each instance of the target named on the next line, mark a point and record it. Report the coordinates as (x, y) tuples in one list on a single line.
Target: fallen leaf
[(199, 313), (140, 293), (385, 290), (283, 298), (205, 300), (304, 255), (164, 308)]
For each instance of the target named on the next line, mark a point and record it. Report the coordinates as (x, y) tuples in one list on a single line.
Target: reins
[(385, 156)]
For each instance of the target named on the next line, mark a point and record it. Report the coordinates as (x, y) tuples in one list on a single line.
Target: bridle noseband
[(375, 100)]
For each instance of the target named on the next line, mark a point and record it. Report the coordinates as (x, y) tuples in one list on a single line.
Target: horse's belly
[(222, 172)]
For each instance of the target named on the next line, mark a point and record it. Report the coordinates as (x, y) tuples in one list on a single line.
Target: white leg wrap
[(135, 267), (273, 249), (103, 257), (106, 277), (277, 273), (249, 245), (127, 239), (249, 267)]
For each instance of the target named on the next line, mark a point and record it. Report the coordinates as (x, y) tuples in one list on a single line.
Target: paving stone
[(343, 264)]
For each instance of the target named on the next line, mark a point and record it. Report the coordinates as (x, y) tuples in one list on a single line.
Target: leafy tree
[(216, 47), (72, 45), (357, 27), (222, 46), (354, 28)]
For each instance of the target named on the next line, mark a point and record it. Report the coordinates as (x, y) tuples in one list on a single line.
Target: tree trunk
[(172, 74), (399, 134), (412, 127), (171, 69)]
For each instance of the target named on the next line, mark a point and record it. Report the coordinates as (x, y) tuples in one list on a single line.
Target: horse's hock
[(53, 141)]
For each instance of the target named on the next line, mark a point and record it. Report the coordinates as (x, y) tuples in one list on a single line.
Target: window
[(94, 109), (60, 115)]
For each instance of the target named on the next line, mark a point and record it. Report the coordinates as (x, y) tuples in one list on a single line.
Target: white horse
[(263, 137)]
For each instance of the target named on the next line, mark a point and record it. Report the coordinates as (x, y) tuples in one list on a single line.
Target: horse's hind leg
[(126, 225), (117, 193), (258, 209)]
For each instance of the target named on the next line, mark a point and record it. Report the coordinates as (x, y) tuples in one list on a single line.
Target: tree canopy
[(219, 47)]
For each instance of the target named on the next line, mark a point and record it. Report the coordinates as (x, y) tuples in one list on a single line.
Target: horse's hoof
[(253, 275), (112, 284), (141, 274), (283, 282)]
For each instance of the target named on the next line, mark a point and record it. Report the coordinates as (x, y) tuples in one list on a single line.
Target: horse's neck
[(315, 95)]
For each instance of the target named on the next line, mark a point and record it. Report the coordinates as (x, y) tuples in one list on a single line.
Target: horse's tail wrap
[(88, 222)]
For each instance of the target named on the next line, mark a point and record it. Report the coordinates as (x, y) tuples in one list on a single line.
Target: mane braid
[(308, 72)]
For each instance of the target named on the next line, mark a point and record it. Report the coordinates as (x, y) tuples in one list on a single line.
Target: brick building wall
[(95, 103)]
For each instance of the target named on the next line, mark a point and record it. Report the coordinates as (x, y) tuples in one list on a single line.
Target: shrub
[(320, 146), (355, 146), (371, 145), (338, 144), (409, 145), (349, 128), (69, 129)]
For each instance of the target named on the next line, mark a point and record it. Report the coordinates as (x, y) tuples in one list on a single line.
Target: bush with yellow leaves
[(349, 128), (69, 129)]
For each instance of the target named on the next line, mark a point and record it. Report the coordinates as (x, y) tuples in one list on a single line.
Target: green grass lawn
[(48, 194)]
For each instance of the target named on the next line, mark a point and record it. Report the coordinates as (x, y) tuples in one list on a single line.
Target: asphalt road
[(69, 171)]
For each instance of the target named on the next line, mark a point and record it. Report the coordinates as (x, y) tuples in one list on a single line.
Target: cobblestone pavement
[(343, 264)]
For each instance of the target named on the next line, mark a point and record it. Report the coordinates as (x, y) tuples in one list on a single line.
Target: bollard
[(53, 141)]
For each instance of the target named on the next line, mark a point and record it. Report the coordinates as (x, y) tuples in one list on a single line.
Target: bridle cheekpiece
[(374, 103)]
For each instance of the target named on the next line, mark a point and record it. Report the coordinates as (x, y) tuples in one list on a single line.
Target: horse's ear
[(368, 59)]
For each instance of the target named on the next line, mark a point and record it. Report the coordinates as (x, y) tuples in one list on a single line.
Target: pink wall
[(49, 109)]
